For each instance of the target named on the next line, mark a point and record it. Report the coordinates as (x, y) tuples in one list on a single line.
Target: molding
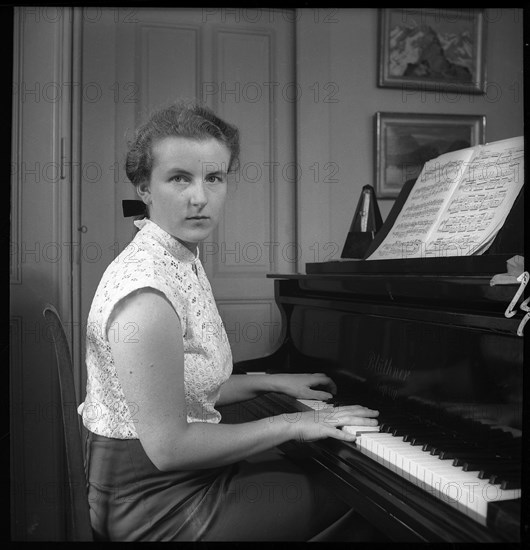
[(16, 148), (19, 520), (62, 230), (76, 182), (141, 47), (255, 270)]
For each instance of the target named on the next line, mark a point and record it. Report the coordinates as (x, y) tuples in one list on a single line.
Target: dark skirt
[(266, 497)]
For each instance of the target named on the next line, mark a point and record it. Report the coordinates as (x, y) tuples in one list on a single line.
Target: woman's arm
[(240, 387), (151, 372)]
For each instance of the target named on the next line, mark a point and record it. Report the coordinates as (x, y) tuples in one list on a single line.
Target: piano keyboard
[(467, 483)]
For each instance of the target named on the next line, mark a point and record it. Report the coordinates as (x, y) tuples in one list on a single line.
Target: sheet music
[(458, 204), (430, 194), (482, 200)]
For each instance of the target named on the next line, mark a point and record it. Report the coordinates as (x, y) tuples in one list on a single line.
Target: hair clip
[(133, 208)]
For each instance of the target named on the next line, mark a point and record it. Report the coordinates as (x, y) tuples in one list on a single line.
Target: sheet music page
[(431, 193), (458, 204), (482, 200)]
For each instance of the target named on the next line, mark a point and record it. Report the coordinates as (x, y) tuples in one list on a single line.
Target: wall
[(337, 53)]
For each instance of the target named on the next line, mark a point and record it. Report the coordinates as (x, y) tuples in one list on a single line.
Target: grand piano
[(428, 344)]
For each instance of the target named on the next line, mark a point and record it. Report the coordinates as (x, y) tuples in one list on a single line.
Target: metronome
[(366, 223)]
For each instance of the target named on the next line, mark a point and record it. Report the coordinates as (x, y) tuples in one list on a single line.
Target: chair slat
[(78, 512)]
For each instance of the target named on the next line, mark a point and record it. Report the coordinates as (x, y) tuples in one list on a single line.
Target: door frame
[(45, 115)]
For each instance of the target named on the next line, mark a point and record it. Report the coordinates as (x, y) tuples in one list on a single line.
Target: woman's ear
[(144, 192)]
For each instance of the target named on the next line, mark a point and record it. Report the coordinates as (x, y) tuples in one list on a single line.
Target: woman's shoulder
[(138, 261), (136, 267), (142, 264), (135, 256)]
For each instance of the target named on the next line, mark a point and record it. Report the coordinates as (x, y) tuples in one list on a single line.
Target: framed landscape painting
[(437, 49), (406, 141)]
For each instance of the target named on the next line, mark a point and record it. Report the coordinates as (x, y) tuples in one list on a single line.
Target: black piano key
[(438, 441), (495, 470), (386, 427), (425, 434), (427, 441), (457, 454), (499, 479), (446, 455), (438, 450), (398, 420), (459, 457), (407, 429), (464, 457), (509, 483), (416, 441), (480, 464), (506, 473), (485, 474), (440, 444)]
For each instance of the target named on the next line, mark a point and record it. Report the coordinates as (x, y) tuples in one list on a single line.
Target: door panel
[(237, 68)]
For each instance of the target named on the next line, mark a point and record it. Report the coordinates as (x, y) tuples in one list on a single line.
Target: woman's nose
[(198, 194)]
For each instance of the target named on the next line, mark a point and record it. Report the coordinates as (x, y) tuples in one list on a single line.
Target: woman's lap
[(270, 498), (266, 497)]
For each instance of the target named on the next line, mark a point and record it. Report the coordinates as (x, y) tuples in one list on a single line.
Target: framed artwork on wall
[(432, 49), (406, 141)]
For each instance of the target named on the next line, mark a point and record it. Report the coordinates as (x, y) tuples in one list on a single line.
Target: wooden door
[(241, 63)]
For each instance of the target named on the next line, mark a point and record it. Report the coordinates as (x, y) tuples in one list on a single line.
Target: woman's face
[(187, 189)]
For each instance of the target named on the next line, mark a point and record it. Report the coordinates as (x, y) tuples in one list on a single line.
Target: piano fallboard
[(442, 340)]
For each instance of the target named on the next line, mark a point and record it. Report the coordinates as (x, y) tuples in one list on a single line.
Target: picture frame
[(405, 141), (440, 49)]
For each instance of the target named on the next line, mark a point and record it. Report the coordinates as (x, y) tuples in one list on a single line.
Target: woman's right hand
[(321, 424)]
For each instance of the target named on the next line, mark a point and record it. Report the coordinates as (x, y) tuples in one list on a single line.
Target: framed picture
[(406, 141), (432, 49)]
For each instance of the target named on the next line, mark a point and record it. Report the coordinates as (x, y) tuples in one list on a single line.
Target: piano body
[(427, 343)]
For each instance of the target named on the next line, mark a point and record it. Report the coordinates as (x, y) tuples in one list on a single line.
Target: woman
[(160, 466)]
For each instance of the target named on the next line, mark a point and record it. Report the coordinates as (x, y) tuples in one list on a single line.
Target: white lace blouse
[(157, 260)]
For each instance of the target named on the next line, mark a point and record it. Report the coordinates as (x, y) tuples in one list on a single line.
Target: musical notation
[(458, 203)]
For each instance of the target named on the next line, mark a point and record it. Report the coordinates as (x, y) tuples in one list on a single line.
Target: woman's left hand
[(301, 385)]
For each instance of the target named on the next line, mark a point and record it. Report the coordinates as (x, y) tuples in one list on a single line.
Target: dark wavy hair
[(180, 119)]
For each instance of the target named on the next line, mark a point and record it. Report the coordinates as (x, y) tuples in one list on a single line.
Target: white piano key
[(360, 429), (315, 404)]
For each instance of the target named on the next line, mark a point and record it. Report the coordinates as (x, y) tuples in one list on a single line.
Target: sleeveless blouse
[(155, 259)]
